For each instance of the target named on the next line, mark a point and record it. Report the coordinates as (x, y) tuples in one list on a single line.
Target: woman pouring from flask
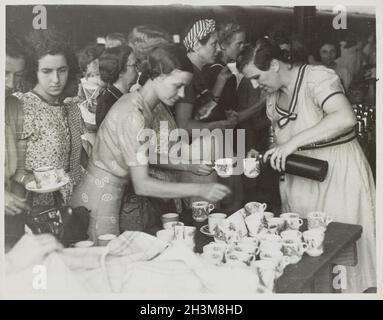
[(311, 115)]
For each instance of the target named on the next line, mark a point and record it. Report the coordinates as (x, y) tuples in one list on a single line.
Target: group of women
[(190, 86)]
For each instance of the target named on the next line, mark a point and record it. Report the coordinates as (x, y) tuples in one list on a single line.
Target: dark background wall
[(85, 23)]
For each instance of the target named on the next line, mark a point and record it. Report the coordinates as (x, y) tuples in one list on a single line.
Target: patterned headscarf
[(198, 31)]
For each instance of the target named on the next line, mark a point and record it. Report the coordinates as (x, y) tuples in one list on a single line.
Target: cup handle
[(211, 207), (329, 219), (257, 250), (304, 247), (264, 206), (300, 222)]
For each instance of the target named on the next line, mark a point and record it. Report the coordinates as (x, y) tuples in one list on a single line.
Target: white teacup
[(237, 258), (254, 224), (293, 221), (84, 244), (215, 258), (224, 167), (201, 210), (278, 258), (318, 219), (255, 207), (267, 216), (104, 239), (251, 167), (314, 239), (276, 224), (189, 233), (172, 225), (270, 245), (294, 250), (169, 217), (165, 235), (45, 177), (250, 240), (292, 235), (248, 248), (215, 219)]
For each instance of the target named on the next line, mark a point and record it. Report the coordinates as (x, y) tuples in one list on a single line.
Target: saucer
[(205, 231), (31, 186)]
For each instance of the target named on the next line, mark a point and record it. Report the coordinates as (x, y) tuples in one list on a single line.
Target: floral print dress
[(47, 133)]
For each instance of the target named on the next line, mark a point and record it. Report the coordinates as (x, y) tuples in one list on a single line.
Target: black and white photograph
[(190, 150)]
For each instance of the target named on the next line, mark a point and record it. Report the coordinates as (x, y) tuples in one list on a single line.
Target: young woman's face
[(327, 54), (170, 88), (267, 80), (232, 49), (208, 52), (52, 75)]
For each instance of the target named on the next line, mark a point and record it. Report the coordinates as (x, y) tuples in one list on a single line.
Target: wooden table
[(311, 274)]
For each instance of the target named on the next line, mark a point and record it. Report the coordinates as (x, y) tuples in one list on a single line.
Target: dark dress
[(106, 99)]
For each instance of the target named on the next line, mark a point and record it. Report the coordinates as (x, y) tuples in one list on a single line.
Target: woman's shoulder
[(31, 103), (318, 73)]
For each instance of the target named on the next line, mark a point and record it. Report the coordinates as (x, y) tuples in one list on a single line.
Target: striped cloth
[(198, 31)]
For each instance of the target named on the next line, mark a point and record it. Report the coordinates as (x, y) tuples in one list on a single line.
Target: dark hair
[(163, 60), (117, 36), (51, 42), (226, 31), (14, 47), (89, 54), (265, 51), (113, 62)]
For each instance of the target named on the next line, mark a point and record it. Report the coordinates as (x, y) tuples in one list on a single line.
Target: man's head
[(14, 64)]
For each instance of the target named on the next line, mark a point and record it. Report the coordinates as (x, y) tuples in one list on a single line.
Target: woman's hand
[(278, 155), (14, 205), (232, 119), (213, 192), (224, 74), (201, 169), (30, 250)]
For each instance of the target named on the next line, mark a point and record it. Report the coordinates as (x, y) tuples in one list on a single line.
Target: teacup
[(189, 233), (318, 219), (278, 258), (248, 248), (224, 167), (255, 207), (178, 231), (45, 177), (104, 239), (237, 258), (275, 224), (250, 240), (314, 239), (293, 221), (201, 210), (270, 237), (215, 258), (173, 224), (266, 245), (169, 217), (165, 235), (254, 224), (251, 167), (84, 244), (214, 220), (291, 235), (267, 216), (61, 174), (294, 250)]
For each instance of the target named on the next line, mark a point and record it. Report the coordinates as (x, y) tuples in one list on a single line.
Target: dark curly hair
[(163, 60), (89, 54), (51, 42), (113, 62)]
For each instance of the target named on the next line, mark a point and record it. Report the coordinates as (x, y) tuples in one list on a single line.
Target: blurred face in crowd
[(171, 87), (232, 49), (14, 68), (209, 51), (129, 77), (112, 43), (268, 81), (52, 76), (327, 54)]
